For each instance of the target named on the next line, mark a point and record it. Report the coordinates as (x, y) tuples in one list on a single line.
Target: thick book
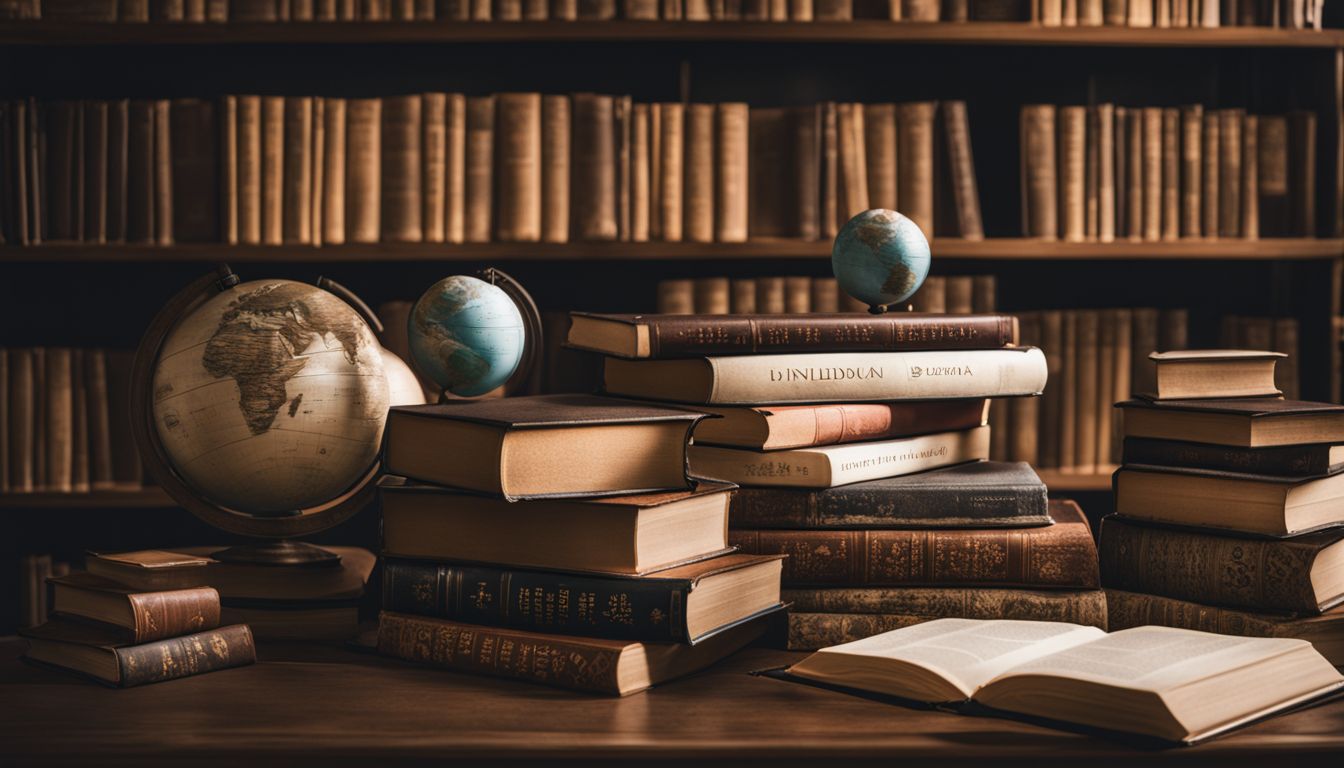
[(1132, 609), (684, 604), (1254, 504), (542, 446), (594, 665), (984, 494), (1174, 685), (614, 534), (1215, 373), (834, 465), (144, 616), (831, 378), (150, 570), (518, 167), (401, 195), (1304, 574), (680, 336), (1055, 556), (1245, 423), (769, 428), (93, 652), (1308, 460)]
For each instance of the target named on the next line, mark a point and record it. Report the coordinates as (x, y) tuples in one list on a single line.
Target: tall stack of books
[(860, 488), (1229, 505), (561, 542), (137, 618)]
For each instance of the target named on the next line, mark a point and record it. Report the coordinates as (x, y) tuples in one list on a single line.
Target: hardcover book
[(151, 569), (542, 446), (143, 616), (1215, 373), (770, 428), (1310, 460), (94, 652), (831, 377), (683, 604), (1175, 685), (834, 465), (673, 336), (1059, 555), (982, 494), (1245, 423)]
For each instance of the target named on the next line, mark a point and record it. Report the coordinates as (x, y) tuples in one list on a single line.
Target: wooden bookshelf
[(999, 249), (864, 31), (143, 498)]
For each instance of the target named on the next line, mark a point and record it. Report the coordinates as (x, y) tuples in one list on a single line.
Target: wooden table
[(324, 706)]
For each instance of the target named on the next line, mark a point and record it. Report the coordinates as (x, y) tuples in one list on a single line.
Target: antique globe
[(880, 257), (269, 398), (467, 335)]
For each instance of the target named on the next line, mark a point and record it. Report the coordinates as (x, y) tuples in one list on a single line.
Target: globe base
[(285, 552)]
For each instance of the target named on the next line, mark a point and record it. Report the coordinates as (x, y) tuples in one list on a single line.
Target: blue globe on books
[(880, 257), (466, 335)]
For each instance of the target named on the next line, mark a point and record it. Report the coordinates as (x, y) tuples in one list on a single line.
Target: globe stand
[(283, 552)]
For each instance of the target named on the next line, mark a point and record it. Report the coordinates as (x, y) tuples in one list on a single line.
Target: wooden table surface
[(324, 705)]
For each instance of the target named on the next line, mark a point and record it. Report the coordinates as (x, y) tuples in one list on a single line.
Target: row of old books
[(888, 509), (575, 550), (1288, 14), (450, 168), (34, 592), (135, 620), (1229, 505), (1107, 172), (64, 426), (770, 295)]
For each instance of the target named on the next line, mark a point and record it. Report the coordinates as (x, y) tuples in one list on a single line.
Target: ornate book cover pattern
[(185, 656), (172, 613)]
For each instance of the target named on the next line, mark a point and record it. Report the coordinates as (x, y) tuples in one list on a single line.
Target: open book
[(1171, 684)]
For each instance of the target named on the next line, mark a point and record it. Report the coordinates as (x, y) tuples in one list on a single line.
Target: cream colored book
[(832, 465), (1206, 373), (831, 378), (1176, 685)]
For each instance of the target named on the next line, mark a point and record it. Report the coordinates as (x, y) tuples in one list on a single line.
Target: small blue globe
[(880, 257), (466, 335)]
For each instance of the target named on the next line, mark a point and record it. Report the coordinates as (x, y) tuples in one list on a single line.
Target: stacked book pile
[(861, 489), (562, 542), (137, 618), (1108, 172), (1229, 506)]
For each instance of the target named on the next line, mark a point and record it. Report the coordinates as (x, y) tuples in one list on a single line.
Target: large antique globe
[(466, 335), (880, 257), (270, 397)]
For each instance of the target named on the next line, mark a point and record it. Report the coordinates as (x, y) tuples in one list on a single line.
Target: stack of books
[(558, 539), (137, 618), (835, 463), (1228, 507)]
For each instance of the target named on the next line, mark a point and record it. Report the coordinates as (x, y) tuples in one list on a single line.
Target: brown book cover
[(95, 171), (1136, 160), (1061, 555), (297, 173), (830, 169), (1039, 205), (1072, 144), (518, 167), (1250, 177), (22, 425), (1256, 574), (555, 169), (479, 170), (1120, 143), (1302, 172), (317, 143), (1171, 164), (641, 172), (731, 121), (853, 176), (622, 107), (594, 204), (797, 295), (1092, 175), (915, 135), (249, 173), (363, 166), (1192, 165), (805, 130), (771, 180), (272, 198), (1272, 171), (711, 296), (126, 467), (1229, 172), (1052, 400), (144, 616), (434, 169), (770, 298), (79, 424), (881, 161), (676, 297), (698, 205), (961, 165), (1210, 195), (1152, 173), (58, 413), (140, 173), (402, 203), (75, 647), (228, 169), (334, 179), (742, 296), (455, 168), (826, 617), (1068, 386), (825, 297)]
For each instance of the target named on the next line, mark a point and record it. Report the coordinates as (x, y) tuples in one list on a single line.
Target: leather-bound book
[(96, 653), (249, 172), (1302, 172), (656, 336), (297, 219), (669, 174), (144, 616), (1090, 13), (433, 173), (1171, 182), (58, 423), (272, 179), (961, 165), (1052, 556), (1152, 173), (853, 175), (518, 167), (1300, 574), (676, 297), (1072, 176), (742, 296), (711, 296), (95, 140), (334, 180), (594, 170), (1307, 460), (163, 175), (1039, 206), (675, 605), (596, 10), (770, 296), (228, 169), (731, 120), (797, 295), (1229, 172), (699, 190), (805, 132), (479, 171), (819, 618), (555, 169), (594, 665), (402, 202), (455, 168), (1250, 177), (363, 169), (1101, 129), (1140, 13), (1210, 196), (1272, 167), (621, 109), (879, 143), (915, 133)]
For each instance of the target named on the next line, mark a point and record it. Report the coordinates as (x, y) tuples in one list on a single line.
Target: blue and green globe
[(880, 257), (466, 335)]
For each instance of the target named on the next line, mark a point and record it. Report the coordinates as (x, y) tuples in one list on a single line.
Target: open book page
[(969, 652)]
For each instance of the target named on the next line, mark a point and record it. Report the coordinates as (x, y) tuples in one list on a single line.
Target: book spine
[(915, 134), (641, 173), (79, 411), (1038, 157), (853, 180), (1259, 574), (844, 508), (499, 652), (1250, 178), (228, 169), (1125, 610), (179, 657), (668, 176), (99, 421), (271, 198), (433, 183), (249, 169), (21, 421), (401, 158), (1209, 169), (1302, 172), (676, 297), (594, 167), (730, 192), (518, 177), (804, 127), (95, 171), (59, 421), (814, 624), (1289, 461), (1229, 172), (334, 171), (965, 193), (363, 180), (698, 202), (317, 148), (621, 609), (1104, 133), (297, 175), (163, 175), (711, 296), (830, 169), (1049, 556), (1071, 186), (1151, 118), (160, 615), (555, 169), (797, 295)]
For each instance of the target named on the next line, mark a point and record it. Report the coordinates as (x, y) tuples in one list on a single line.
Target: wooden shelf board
[(1006, 249), (1058, 481), (865, 31), (143, 498)]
